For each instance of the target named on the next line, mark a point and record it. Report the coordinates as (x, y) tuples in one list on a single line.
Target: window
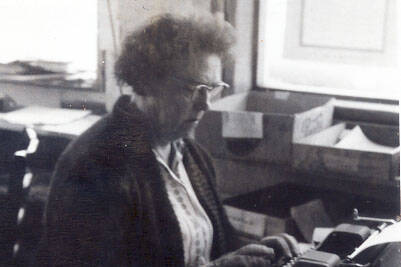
[(57, 39), (349, 48)]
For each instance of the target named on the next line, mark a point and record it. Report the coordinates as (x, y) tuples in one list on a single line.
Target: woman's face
[(177, 109)]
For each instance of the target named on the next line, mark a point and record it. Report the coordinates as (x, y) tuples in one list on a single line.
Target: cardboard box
[(239, 177), (256, 225), (248, 223), (295, 209), (261, 126), (267, 211), (320, 153)]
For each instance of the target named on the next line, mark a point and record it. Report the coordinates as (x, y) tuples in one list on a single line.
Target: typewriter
[(366, 242)]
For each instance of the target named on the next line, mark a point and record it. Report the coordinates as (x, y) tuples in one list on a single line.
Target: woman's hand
[(284, 246), (253, 255), (275, 249)]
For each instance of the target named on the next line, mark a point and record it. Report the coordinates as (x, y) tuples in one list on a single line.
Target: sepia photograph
[(200, 133)]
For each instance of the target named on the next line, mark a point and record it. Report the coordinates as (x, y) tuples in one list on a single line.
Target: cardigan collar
[(133, 131), (126, 112), (134, 136)]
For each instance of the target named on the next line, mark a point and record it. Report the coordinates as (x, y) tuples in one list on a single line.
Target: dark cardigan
[(108, 205)]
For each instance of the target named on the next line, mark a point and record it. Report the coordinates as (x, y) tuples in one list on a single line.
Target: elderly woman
[(134, 190)]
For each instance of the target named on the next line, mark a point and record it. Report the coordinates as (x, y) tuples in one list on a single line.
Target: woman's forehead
[(205, 67)]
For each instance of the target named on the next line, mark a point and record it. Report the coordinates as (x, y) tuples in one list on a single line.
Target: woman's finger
[(279, 244), (256, 250), (240, 261), (292, 243)]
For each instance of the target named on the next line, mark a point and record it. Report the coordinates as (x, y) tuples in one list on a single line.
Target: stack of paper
[(390, 234), (36, 115), (356, 139), (72, 129)]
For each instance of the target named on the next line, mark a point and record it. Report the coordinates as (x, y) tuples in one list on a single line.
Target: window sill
[(368, 112), (350, 94), (358, 109)]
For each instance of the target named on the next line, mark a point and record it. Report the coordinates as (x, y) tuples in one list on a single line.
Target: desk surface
[(68, 130)]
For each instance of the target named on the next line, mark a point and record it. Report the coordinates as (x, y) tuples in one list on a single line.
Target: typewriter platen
[(356, 245)]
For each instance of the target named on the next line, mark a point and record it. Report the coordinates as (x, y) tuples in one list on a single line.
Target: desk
[(31, 199), (68, 130), (53, 140)]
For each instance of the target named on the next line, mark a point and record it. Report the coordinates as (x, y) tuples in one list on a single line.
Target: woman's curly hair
[(152, 52)]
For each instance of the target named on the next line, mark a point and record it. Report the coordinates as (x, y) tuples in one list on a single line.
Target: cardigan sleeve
[(87, 224)]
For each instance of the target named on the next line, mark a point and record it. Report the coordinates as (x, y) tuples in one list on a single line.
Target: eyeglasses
[(194, 89)]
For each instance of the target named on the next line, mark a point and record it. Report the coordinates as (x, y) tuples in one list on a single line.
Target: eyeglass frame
[(195, 87)]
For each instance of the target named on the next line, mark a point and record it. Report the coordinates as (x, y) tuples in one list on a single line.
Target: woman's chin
[(187, 129), (192, 123)]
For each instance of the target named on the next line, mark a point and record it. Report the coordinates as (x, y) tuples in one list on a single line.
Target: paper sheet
[(343, 134), (74, 128), (310, 215), (320, 234), (242, 125), (327, 137), (356, 139), (390, 234), (37, 115)]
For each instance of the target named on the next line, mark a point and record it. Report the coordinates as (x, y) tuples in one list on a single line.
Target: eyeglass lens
[(211, 90)]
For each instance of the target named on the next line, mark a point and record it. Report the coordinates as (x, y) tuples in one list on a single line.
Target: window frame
[(345, 94)]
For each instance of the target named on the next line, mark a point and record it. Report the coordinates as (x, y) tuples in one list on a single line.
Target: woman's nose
[(202, 100)]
